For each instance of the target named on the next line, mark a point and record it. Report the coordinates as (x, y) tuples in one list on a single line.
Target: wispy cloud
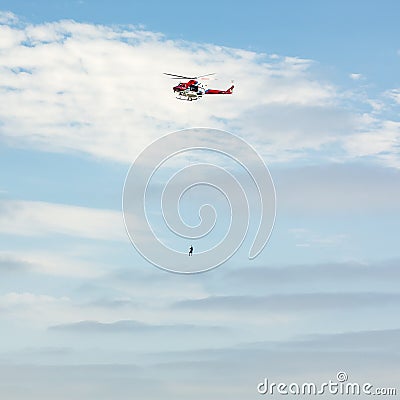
[(29, 218), (131, 326), (7, 17), (394, 94), (48, 263), (338, 188), (15, 299), (345, 275), (291, 302), (376, 138), (356, 77), (306, 238), (371, 340)]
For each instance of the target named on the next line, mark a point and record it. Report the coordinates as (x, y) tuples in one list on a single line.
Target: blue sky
[(343, 36), (317, 94)]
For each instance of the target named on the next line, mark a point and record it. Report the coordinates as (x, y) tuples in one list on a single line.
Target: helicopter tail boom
[(213, 91)]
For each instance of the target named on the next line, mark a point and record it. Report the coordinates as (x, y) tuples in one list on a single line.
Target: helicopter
[(193, 89)]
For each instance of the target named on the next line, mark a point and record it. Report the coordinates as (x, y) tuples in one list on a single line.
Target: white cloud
[(49, 263), (28, 306), (67, 86), (356, 77), (334, 189), (7, 17), (34, 218), (28, 299), (376, 138), (307, 238), (100, 90), (394, 94), (377, 105)]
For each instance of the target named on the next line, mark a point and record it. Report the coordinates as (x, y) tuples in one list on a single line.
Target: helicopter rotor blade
[(178, 76), (174, 76), (202, 76)]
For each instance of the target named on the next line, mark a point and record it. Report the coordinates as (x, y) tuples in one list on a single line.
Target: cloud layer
[(83, 316), (68, 86)]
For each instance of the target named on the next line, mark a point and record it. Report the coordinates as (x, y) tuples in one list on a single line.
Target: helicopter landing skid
[(187, 98)]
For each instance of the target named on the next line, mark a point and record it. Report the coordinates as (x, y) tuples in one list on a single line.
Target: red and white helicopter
[(193, 89)]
